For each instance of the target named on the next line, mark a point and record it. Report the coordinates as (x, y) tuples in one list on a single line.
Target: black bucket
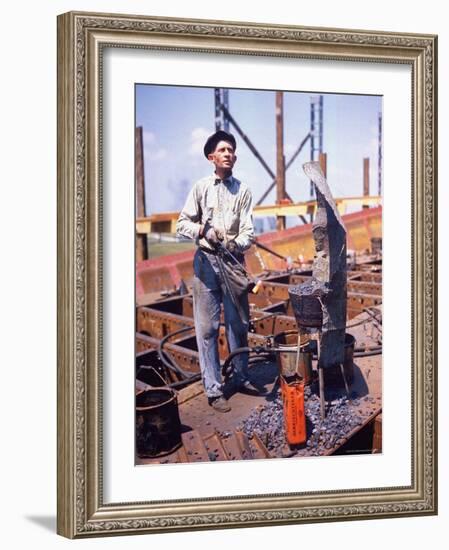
[(332, 375), (158, 427), (307, 309)]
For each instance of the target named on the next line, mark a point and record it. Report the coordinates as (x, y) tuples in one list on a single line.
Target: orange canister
[(294, 414)]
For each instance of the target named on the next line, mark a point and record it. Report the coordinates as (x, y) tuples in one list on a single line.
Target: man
[(218, 212)]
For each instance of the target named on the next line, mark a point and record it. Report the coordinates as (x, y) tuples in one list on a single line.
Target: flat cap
[(212, 141)]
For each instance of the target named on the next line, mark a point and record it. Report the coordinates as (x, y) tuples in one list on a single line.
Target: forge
[(320, 303)]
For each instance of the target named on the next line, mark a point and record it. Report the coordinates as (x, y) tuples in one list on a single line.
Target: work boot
[(219, 404)]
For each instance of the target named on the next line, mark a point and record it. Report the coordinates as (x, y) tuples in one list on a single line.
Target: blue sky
[(176, 122)]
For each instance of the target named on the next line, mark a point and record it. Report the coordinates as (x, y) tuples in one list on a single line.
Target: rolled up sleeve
[(189, 221), (245, 238)]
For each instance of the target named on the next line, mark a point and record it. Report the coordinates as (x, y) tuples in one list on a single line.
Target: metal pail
[(287, 360), (158, 427), (332, 375), (307, 310)]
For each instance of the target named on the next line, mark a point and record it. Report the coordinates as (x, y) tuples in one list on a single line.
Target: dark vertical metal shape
[(280, 163), (225, 121), (365, 179), (329, 269), (323, 163), (217, 96), (312, 139), (141, 240), (320, 124), (316, 133), (140, 176)]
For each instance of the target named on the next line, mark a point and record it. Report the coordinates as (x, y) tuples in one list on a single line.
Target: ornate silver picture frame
[(83, 39)]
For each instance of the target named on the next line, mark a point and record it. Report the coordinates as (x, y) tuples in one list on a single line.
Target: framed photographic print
[(247, 274)]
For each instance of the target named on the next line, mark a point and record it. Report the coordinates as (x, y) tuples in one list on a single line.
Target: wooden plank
[(214, 445), (189, 392), (243, 443), (181, 456), (194, 447), (232, 448), (258, 449), (377, 435)]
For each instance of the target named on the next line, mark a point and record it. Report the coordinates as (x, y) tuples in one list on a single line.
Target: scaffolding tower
[(223, 120), (221, 100), (316, 130)]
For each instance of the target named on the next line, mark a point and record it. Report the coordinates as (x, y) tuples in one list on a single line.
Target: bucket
[(307, 309), (332, 375), (288, 360), (158, 427)]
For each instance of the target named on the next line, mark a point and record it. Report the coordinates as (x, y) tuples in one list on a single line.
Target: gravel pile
[(341, 418)]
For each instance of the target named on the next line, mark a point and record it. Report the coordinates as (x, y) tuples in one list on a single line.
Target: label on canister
[(294, 413)]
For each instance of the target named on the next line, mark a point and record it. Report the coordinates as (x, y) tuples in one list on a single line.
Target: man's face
[(223, 157)]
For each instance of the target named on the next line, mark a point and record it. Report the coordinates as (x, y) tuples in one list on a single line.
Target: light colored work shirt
[(226, 205)]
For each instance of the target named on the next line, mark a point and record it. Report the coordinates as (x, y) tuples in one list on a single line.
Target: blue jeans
[(208, 295)]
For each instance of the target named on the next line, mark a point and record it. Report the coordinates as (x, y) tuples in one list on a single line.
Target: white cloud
[(198, 138), (148, 137), (196, 161), (157, 154), (151, 150), (371, 149)]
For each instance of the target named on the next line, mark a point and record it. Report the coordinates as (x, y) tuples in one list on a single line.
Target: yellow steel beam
[(145, 225)]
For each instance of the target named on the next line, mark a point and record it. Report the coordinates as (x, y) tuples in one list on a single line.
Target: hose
[(167, 360), (368, 352), (188, 377), (268, 352), (262, 353), (181, 383), (258, 350), (172, 365)]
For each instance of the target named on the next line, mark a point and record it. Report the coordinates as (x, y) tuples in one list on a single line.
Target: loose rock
[(267, 422)]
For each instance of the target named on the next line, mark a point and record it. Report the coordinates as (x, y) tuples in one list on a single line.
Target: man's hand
[(233, 247), (211, 236), (219, 234)]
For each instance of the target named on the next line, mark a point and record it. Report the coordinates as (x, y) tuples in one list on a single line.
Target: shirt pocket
[(208, 205), (232, 220)]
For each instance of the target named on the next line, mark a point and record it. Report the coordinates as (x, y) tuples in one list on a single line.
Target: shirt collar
[(228, 180)]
